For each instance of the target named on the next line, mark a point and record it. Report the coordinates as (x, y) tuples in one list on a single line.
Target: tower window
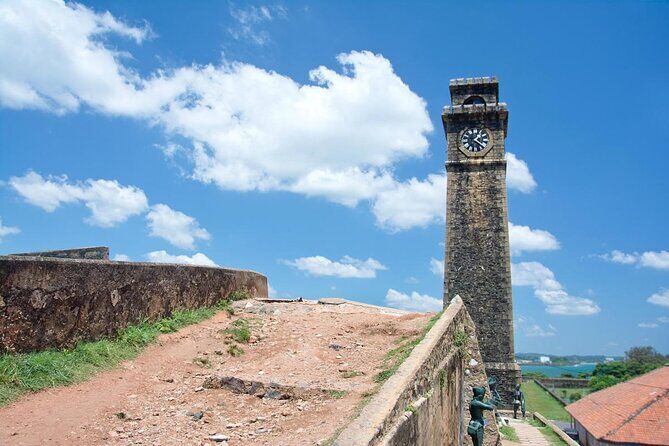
[(477, 100)]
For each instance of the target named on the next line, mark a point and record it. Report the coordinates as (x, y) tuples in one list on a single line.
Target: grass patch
[(239, 295), (538, 400), (509, 433), (226, 306), (338, 394), (235, 350), (29, 372), (553, 438), (239, 331), (350, 374), (395, 357)]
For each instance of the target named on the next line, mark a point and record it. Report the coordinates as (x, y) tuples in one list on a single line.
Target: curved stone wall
[(47, 303)]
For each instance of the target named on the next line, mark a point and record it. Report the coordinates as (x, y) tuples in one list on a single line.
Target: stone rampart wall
[(92, 253), (424, 403), (46, 302), (551, 393), (565, 383)]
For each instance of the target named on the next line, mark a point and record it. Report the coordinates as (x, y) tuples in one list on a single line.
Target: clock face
[(475, 139)]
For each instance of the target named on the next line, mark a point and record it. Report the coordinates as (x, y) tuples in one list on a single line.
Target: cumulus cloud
[(550, 291), (121, 258), (660, 298), (518, 175), (7, 230), (243, 128), (524, 238), (437, 267), (654, 259), (648, 325), (179, 229), (195, 259), (109, 202), (413, 302), (347, 267), (54, 57), (648, 259), (410, 204)]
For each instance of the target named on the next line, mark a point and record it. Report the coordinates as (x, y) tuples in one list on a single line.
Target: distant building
[(609, 359), (545, 359), (635, 412)]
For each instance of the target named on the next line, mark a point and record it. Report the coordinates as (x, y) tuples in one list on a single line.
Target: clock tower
[(477, 261)]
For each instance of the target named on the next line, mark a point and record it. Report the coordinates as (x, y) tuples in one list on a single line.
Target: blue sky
[(206, 132)]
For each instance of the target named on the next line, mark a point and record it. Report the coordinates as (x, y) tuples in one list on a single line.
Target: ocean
[(553, 371)]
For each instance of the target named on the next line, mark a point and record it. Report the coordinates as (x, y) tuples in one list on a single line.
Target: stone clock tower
[(477, 262)]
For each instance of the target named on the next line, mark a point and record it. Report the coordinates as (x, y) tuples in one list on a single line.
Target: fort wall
[(425, 402), (50, 303)]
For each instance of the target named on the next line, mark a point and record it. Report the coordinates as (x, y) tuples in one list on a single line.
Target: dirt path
[(158, 399)]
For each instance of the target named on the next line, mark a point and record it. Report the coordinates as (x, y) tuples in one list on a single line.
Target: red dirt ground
[(150, 400)]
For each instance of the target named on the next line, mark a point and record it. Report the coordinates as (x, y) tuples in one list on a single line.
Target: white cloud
[(347, 267), (121, 258), (550, 291), (337, 136), (109, 202), (663, 319), (524, 238), (345, 187), (195, 259), (412, 280), (7, 230), (660, 298), (179, 229), (54, 57), (653, 259), (437, 267), (250, 20), (648, 325), (648, 259), (532, 330), (413, 302), (620, 257), (271, 292), (410, 204), (518, 175)]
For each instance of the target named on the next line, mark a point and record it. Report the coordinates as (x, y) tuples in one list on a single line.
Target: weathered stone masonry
[(425, 403), (477, 259), (48, 302)]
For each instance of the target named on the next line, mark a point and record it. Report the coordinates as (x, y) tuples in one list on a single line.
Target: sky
[(304, 141)]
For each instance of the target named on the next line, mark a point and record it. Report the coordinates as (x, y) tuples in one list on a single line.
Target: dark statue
[(518, 402), (496, 398), (476, 408)]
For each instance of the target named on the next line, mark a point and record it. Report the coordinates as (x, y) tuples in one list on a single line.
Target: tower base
[(508, 376)]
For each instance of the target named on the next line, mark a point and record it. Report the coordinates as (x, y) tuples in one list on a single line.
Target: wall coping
[(26, 258), (377, 414)]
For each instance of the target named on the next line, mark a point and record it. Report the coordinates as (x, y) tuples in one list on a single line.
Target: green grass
[(239, 330), (553, 438), (509, 433), (395, 357), (538, 400), (235, 350), (29, 372)]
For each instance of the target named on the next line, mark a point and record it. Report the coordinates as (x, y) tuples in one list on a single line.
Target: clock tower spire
[(477, 262)]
